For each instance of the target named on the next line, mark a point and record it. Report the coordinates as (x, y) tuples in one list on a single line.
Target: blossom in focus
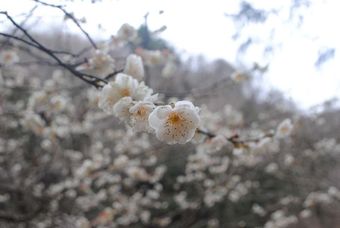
[(284, 129), (144, 93), (100, 64), (127, 33), (9, 57), (134, 67), (176, 124), (123, 86), (140, 116)]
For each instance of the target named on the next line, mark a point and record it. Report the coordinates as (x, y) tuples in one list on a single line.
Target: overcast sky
[(200, 27)]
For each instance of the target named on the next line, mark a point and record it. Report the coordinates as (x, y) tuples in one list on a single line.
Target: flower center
[(174, 118), (141, 111), (125, 92)]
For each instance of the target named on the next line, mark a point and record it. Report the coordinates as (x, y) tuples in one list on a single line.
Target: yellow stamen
[(141, 111), (174, 118), (125, 92)]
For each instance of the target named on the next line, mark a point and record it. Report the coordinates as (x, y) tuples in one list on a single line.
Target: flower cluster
[(100, 64), (134, 102)]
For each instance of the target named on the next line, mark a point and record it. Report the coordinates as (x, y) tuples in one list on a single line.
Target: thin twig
[(30, 13), (235, 139), (113, 74), (69, 15), (90, 79)]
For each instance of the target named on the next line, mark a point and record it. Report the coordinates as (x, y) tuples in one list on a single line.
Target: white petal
[(134, 67), (142, 92), (140, 121), (121, 108), (158, 115), (181, 104), (107, 98)]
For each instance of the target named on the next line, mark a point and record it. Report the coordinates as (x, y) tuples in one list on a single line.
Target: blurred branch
[(29, 51), (22, 24), (113, 74), (70, 16), (39, 59), (90, 79), (235, 139)]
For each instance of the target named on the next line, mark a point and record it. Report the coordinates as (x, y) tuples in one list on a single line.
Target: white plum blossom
[(121, 161), (334, 192), (239, 77), (104, 217), (288, 159), (169, 69), (234, 117), (100, 64), (110, 95), (137, 173), (176, 124), (123, 86), (140, 116), (306, 213), (34, 123), (127, 33), (121, 108), (213, 144), (257, 209), (93, 97), (271, 168), (9, 57), (58, 103), (284, 129), (151, 57), (315, 198), (198, 138), (37, 100), (144, 93), (134, 67)]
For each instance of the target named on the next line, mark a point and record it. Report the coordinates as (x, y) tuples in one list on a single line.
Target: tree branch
[(90, 79), (69, 15)]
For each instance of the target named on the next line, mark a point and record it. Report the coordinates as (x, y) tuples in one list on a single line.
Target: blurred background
[(251, 66), (294, 42)]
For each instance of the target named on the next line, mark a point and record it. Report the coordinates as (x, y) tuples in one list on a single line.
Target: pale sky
[(200, 27)]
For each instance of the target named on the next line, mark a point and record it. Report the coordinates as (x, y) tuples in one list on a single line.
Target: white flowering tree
[(86, 142)]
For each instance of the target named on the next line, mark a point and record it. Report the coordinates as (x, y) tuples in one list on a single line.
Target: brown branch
[(235, 139), (90, 79), (69, 15), (30, 13), (113, 74)]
